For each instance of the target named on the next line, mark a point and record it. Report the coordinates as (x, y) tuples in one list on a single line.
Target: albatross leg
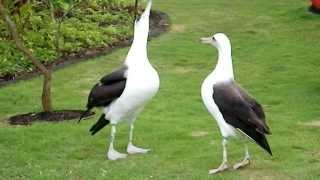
[(131, 149), (224, 165), (245, 161), (112, 153)]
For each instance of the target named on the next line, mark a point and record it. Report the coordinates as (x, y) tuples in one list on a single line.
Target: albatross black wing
[(108, 89), (242, 112), (255, 106), (115, 76), (101, 96)]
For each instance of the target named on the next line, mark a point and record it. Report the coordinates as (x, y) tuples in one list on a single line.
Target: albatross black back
[(242, 112)]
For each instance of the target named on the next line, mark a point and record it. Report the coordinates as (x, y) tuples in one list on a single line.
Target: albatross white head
[(224, 69), (141, 26), (138, 51)]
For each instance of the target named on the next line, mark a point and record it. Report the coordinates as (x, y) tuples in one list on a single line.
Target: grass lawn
[(276, 57)]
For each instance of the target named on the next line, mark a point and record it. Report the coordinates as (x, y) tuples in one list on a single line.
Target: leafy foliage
[(53, 28)]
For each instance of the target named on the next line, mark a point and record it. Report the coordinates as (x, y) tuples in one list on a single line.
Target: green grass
[(276, 57)]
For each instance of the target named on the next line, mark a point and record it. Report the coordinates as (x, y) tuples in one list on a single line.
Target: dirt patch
[(183, 70), (27, 119), (315, 124), (252, 173), (159, 23), (199, 133), (178, 28)]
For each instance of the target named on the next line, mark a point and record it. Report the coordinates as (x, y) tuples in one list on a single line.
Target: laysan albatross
[(237, 113), (123, 93)]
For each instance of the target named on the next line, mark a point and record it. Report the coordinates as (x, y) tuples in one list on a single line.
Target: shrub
[(91, 24)]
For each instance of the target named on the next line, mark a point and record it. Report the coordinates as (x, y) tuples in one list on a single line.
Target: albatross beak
[(206, 40)]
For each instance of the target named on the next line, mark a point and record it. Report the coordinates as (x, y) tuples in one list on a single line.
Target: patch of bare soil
[(314, 124), (199, 133)]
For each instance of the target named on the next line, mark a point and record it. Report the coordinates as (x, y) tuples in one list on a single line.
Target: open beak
[(206, 40)]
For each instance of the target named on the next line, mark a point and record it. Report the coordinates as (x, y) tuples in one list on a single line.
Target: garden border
[(159, 23)]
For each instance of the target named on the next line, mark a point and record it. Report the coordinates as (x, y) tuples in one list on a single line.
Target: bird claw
[(115, 155), (241, 164), (221, 168), (131, 149)]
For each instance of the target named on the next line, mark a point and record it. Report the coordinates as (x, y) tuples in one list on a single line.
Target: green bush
[(90, 24)]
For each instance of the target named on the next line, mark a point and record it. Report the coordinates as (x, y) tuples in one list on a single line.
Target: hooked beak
[(206, 40)]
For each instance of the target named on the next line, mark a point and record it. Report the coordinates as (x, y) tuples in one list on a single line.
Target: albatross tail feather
[(84, 114), (261, 140), (258, 138), (101, 123)]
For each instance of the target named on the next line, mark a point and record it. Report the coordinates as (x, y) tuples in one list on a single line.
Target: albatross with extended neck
[(123, 93), (237, 113)]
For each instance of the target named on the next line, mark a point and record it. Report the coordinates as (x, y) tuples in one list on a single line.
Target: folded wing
[(242, 111), (109, 88)]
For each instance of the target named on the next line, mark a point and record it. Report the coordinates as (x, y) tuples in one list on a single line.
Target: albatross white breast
[(236, 112), (124, 92)]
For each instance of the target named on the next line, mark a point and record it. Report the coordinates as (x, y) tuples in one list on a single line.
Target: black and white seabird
[(237, 113), (123, 93)]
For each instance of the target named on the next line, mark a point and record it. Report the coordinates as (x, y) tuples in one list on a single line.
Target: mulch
[(60, 115)]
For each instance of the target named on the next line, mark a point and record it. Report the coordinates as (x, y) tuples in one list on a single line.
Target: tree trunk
[(46, 91), (47, 73)]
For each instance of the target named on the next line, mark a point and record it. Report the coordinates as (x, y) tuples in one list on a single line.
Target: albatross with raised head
[(123, 93), (237, 113)]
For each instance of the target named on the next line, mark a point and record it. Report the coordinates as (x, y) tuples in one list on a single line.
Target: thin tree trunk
[(46, 91), (47, 74)]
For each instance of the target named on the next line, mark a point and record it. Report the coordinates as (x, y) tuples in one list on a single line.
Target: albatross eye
[(214, 39)]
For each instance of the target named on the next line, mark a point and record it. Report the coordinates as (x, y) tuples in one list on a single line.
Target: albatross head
[(219, 40), (224, 69)]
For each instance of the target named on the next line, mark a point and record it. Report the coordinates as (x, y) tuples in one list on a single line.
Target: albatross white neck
[(224, 68), (138, 51)]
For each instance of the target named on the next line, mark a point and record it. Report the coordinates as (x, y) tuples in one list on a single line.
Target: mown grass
[(276, 57)]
